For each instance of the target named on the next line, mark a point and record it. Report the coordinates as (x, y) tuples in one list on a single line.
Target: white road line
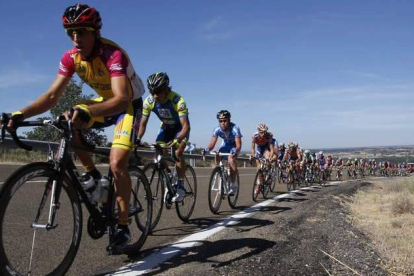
[(169, 251)]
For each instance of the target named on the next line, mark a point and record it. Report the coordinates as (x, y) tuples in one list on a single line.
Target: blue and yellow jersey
[(168, 112)]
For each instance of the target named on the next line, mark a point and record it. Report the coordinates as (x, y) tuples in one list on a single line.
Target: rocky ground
[(309, 234)]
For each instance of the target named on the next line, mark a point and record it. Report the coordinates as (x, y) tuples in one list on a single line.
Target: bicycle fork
[(54, 205)]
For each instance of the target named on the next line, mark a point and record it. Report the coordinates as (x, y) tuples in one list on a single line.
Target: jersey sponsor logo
[(150, 99), (182, 107), (165, 113), (80, 68), (123, 133), (176, 99), (146, 106), (169, 122), (116, 67)]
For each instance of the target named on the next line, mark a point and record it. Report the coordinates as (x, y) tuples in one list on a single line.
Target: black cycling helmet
[(81, 16), (158, 80), (223, 114)]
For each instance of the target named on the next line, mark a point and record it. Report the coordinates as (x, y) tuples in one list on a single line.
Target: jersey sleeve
[(216, 131), (117, 64), (237, 132), (147, 106), (66, 65), (182, 108)]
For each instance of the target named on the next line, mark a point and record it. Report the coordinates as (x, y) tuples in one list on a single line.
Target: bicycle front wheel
[(275, 176), (141, 213), (233, 198), (186, 207), (256, 185), (215, 190), (290, 181), (156, 180), (25, 203)]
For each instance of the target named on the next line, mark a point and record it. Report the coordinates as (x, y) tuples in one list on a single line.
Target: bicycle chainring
[(95, 229)]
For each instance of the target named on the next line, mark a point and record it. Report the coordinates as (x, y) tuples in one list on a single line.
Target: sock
[(123, 227)]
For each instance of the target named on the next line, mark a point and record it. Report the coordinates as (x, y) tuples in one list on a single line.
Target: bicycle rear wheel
[(156, 179), (186, 207), (26, 195), (141, 200), (233, 199), (215, 190)]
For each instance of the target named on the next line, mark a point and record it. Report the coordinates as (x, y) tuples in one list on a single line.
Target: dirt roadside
[(288, 237)]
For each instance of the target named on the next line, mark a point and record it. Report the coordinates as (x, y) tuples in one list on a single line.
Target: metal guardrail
[(46, 146)]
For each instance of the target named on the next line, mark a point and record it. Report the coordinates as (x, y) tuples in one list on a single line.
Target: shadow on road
[(215, 252), (193, 225), (275, 209)]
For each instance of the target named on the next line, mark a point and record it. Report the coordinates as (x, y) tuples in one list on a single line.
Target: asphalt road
[(92, 258)]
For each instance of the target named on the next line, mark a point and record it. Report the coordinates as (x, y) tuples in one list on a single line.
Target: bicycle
[(338, 173), (219, 185), (262, 180), (162, 183), (291, 176), (41, 204)]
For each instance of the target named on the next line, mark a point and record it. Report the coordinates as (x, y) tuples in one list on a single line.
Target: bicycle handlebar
[(60, 123), (159, 148)]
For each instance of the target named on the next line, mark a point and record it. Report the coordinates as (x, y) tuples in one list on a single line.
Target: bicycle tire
[(233, 199), (185, 208), (14, 256), (215, 190), (290, 183), (156, 180), (266, 188), (141, 199), (274, 179), (256, 186), (280, 176)]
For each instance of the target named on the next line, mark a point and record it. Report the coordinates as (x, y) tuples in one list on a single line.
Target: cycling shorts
[(126, 122), (227, 148), (166, 135), (260, 150)]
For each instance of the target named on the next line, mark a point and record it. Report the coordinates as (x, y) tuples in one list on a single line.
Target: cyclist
[(231, 135), (172, 110), (308, 160), (106, 68), (263, 139), (322, 162)]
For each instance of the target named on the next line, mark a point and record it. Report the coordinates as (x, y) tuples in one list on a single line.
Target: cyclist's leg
[(95, 122), (123, 142)]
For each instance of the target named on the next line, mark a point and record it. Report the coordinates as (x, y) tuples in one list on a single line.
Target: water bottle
[(103, 189), (87, 182)]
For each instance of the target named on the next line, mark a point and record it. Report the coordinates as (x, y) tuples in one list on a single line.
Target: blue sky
[(322, 73)]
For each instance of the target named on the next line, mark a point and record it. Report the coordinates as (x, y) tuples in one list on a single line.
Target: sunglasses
[(78, 31), (223, 121)]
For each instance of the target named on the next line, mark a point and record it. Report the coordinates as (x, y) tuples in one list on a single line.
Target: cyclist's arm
[(252, 149), (142, 127), (116, 104), (272, 151), (213, 142), (238, 144), (185, 124), (49, 99)]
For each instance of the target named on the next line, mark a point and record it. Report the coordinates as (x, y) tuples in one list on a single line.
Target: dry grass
[(385, 212)]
